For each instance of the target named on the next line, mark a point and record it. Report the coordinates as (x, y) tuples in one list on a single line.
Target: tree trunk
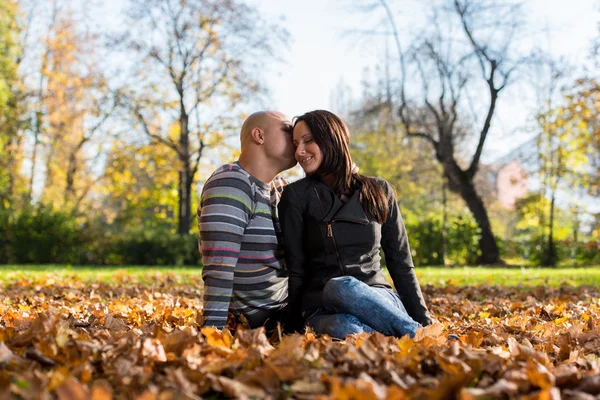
[(185, 201), (550, 258), (487, 241), (10, 170), (444, 222), (460, 183), (36, 141), (70, 180), (185, 181)]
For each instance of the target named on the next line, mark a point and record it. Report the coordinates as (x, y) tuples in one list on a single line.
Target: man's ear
[(258, 135)]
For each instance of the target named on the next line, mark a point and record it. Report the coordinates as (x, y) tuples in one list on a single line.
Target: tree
[(380, 150), (447, 69), (11, 90), (75, 102), (196, 61), (568, 150), (583, 105), (139, 189)]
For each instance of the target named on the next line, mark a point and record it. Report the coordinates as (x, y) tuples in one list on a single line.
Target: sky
[(322, 53)]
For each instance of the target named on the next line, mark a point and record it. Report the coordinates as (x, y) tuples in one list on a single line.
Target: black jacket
[(326, 238)]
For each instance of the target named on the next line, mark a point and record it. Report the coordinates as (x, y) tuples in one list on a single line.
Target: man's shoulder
[(229, 175), (228, 179), (233, 170)]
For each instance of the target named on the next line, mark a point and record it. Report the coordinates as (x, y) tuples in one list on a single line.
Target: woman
[(334, 224)]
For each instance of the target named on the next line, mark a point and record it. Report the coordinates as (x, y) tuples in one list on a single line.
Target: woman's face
[(308, 153)]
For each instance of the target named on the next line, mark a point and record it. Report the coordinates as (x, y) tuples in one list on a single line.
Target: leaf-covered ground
[(61, 337)]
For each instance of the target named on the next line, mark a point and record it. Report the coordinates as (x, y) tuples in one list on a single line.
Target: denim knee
[(338, 325), (338, 290)]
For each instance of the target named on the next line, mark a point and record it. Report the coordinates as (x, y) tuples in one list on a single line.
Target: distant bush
[(535, 251), (425, 238), (152, 248), (4, 235), (41, 235)]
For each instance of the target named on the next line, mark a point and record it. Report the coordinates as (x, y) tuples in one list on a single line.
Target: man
[(244, 271)]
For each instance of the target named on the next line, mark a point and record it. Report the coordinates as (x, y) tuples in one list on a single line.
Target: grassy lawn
[(588, 276), (532, 276)]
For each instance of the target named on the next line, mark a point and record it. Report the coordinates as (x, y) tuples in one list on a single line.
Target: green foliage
[(9, 51), (4, 235), (40, 235), (144, 247), (425, 237), (409, 166), (587, 253)]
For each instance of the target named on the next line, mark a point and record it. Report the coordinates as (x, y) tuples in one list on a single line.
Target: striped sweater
[(240, 242)]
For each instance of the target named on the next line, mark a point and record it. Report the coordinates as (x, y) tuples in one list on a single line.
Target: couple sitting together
[(305, 253)]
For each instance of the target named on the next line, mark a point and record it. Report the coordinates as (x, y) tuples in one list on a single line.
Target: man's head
[(268, 135)]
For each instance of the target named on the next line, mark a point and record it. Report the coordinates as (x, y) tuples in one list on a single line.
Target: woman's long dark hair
[(331, 135)]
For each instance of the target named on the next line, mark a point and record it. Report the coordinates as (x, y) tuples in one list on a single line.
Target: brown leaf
[(5, 354), (308, 387), (500, 389), (236, 389), (576, 395), (214, 337), (539, 375), (566, 375), (153, 349), (590, 384), (101, 390), (547, 394), (35, 355), (146, 395), (71, 389), (255, 339), (352, 390), (114, 324)]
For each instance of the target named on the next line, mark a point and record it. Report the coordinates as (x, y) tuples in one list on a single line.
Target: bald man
[(239, 234)]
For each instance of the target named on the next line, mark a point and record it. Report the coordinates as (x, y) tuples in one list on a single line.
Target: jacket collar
[(350, 211)]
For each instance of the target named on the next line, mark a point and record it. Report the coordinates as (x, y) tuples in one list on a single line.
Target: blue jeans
[(352, 306)]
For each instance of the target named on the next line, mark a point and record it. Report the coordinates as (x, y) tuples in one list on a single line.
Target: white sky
[(321, 54)]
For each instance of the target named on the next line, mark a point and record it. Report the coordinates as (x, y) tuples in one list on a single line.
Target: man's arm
[(223, 214)]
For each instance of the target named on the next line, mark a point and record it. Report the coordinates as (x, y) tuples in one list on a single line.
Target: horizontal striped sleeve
[(223, 215)]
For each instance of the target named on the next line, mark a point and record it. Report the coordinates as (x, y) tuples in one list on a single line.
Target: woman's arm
[(292, 226), (394, 242)]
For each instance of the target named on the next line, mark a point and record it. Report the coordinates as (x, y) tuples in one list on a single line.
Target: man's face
[(278, 140)]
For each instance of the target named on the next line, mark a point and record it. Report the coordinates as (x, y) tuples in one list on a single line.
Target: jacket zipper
[(330, 234)]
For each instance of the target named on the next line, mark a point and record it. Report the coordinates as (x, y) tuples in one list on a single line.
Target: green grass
[(531, 276), (141, 274), (460, 276)]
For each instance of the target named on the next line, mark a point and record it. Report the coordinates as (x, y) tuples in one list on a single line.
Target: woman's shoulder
[(303, 184), (302, 190), (385, 185)]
